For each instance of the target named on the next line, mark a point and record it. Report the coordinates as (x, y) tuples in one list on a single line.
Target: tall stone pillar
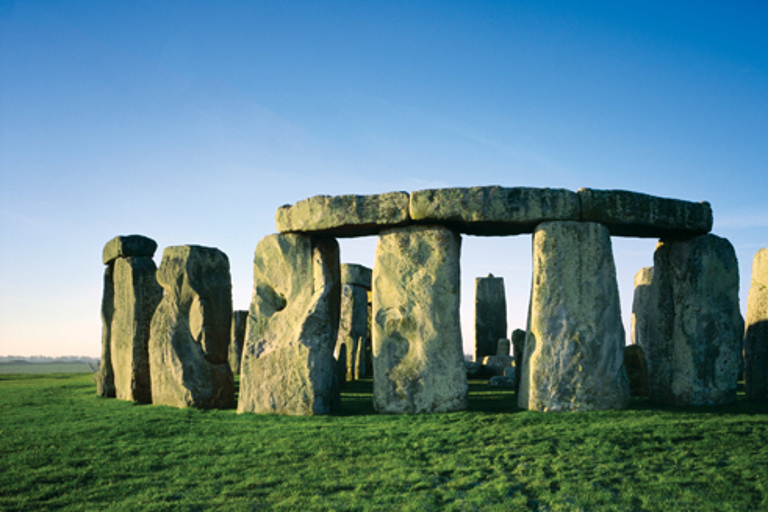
[(490, 315), (236, 340), (128, 307), (417, 350), (694, 352), (189, 338), (574, 349), (641, 304), (105, 377), (288, 365), (756, 339), (353, 319)]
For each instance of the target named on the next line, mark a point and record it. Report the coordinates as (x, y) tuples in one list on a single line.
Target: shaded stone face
[(642, 328), (503, 347), (353, 325), (490, 315), (190, 330), (574, 349), (417, 349), (694, 353), (756, 340), (357, 275), (236, 339), (518, 350), (136, 246), (288, 365), (105, 377), (637, 370)]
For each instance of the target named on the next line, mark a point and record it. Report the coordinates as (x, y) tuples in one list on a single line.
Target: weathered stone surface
[(417, 350), (693, 356), (137, 294), (640, 215), (105, 377), (137, 246), (642, 328), (490, 315), (353, 325), (637, 370), (574, 350), (756, 339), (237, 339), (344, 216), (473, 368), (361, 369), (357, 275), (503, 347), (288, 365), (502, 381), (518, 350), (494, 210), (189, 339), (496, 365)]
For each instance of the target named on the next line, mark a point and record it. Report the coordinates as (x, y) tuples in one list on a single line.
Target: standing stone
[(360, 362), (642, 327), (353, 318), (693, 356), (490, 315), (188, 345), (518, 350), (637, 370), (236, 339), (756, 340), (105, 377), (288, 365), (574, 350), (137, 294), (417, 351), (503, 347)]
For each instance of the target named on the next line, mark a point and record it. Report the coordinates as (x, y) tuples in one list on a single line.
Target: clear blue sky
[(191, 122)]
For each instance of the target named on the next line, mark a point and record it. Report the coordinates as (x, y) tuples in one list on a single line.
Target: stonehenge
[(756, 339), (306, 306), (236, 340)]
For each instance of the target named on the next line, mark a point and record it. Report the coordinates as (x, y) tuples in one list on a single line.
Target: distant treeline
[(48, 359)]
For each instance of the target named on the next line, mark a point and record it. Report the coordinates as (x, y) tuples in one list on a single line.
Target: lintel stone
[(136, 246), (356, 275)]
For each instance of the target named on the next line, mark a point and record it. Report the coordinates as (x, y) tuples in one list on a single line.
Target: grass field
[(63, 448)]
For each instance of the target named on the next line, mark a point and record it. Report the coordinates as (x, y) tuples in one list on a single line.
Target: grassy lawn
[(62, 447)]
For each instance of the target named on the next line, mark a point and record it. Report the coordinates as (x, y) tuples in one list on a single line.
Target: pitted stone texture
[(637, 370), (188, 345), (641, 215), (353, 325), (357, 275), (288, 365), (137, 294), (105, 377), (417, 351), (490, 315), (574, 350), (137, 246), (237, 339), (494, 210), (693, 356), (756, 340), (344, 216), (642, 328)]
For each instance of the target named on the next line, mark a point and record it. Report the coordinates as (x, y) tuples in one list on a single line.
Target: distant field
[(64, 448), (56, 367)]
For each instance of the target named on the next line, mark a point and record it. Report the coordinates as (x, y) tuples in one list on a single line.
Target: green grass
[(62, 447)]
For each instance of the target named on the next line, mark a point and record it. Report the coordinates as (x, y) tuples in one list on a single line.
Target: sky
[(192, 122)]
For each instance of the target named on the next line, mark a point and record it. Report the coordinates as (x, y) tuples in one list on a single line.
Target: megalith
[(417, 349), (642, 327), (353, 317), (518, 350), (574, 349), (105, 377), (189, 339), (503, 347), (756, 338), (236, 339), (288, 365), (490, 315), (694, 351), (637, 370)]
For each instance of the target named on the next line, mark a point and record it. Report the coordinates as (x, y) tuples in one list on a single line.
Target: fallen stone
[(490, 315), (494, 210), (473, 368), (499, 381), (637, 370), (640, 215), (356, 275), (105, 377), (344, 216), (288, 365), (574, 349), (189, 337), (417, 350), (495, 365), (756, 339), (136, 246), (237, 339)]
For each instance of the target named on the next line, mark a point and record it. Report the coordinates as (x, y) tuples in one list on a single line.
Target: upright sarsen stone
[(756, 339), (189, 338), (642, 326), (417, 350), (105, 377), (353, 319), (693, 356), (574, 349), (490, 315), (236, 339), (288, 365)]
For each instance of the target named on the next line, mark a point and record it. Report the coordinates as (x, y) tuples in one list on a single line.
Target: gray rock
[(361, 369), (288, 365), (137, 246), (503, 347), (637, 370), (417, 350), (353, 325), (490, 315), (237, 339), (494, 210), (642, 328), (344, 216), (500, 381), (640, 215), (496, 365), (574, 350), (105, 377), (756, 339), (693, 356), (473, 368), (357, 275), (189, 339), (518, 351), (137, 294)]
